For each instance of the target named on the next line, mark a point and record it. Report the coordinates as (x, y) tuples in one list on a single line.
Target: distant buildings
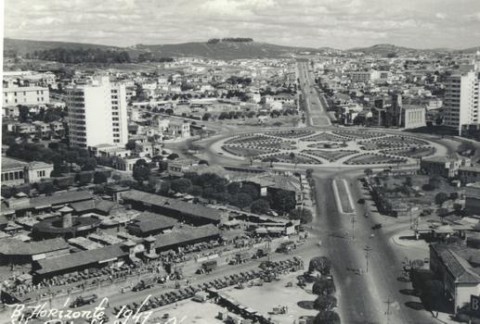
[(461, 100), (443, 166), (97, 113)]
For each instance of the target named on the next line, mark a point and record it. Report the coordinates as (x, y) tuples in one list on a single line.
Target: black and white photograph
[(240, 162)]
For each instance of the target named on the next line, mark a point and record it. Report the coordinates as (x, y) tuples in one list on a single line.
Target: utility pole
[(388, 302), (367, 250), (353, 227)]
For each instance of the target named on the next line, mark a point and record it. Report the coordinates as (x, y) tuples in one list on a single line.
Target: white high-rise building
[(461, 103), (97, 113)]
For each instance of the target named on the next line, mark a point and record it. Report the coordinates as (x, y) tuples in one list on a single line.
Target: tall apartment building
[(461, 100), (97, 113)]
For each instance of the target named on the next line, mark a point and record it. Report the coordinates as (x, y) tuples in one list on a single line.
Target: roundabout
[(328, 147)]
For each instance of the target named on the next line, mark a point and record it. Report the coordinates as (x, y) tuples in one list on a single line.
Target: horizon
[(254, 40), (339, 24)]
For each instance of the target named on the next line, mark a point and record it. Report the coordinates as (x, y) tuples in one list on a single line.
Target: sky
[(339, 24)]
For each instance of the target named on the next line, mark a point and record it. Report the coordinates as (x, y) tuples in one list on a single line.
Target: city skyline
[(339, 24)]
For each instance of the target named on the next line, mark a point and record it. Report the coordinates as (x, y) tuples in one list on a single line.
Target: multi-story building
[(461, 100), (413, 116), (14, 95), (97, 113)]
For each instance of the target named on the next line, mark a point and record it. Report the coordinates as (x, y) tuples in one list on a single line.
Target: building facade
[(413, 117), (461, 100), (97, 113), (13, 96)]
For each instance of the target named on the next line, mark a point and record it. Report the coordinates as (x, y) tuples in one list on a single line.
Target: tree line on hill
[(230, 39), (150, 57), (80, 55)]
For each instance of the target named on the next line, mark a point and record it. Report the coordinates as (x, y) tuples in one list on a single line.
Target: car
[(377, 226)]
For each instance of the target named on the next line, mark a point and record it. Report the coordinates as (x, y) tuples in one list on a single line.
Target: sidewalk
[(407, 239)]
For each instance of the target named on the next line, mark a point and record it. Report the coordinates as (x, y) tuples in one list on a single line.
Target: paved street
[(373, 289), (316, 111)]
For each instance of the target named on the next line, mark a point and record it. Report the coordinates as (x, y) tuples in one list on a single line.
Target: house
[(16, 172), (472, 198), (179, 167), (458, 268), (469, 174), (443, 166)]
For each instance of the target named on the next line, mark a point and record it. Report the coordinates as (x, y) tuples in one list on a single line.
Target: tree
[(83, 178), (260, 206), (173, 156), (304, 215), (206, 116), (23, 113), (89, 165), (141, 171), (327, 317), (323, 286), (181, 185), (130, 145), (442, 212), (309, 173), (99, 178), (243, 200), (196, 190), (368, 172), (283, 200), (440, 198), (250, 190), (233, 188), (325, 303), (435, 182), (321, 264)]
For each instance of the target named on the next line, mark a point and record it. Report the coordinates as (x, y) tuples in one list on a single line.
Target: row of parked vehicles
[(267, 270)]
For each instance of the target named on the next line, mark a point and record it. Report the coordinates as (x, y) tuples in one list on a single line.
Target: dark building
[(148, 224), (387, 110), (182, 211)]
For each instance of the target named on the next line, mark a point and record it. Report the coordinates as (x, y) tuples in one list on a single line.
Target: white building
[(461, 100), (413, 116), (13, 96), (97, 113)]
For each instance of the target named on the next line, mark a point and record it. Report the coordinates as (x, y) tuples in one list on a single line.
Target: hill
[(227, 50), (224, 50), (385, 50), (24, 46)]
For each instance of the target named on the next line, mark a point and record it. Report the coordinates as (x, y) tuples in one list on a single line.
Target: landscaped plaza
[(329, 147)]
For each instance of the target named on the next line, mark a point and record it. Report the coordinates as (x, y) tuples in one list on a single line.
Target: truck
[(207, 267), (286, 247), (144, 284), (83, 300), (240, 257)]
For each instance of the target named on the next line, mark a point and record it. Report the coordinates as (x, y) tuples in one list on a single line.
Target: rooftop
[(9, 163), (12, 246), (173, 204)]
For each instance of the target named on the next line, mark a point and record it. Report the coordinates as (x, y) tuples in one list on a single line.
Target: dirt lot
[(274, 294), (189, 312), (261, 298)]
